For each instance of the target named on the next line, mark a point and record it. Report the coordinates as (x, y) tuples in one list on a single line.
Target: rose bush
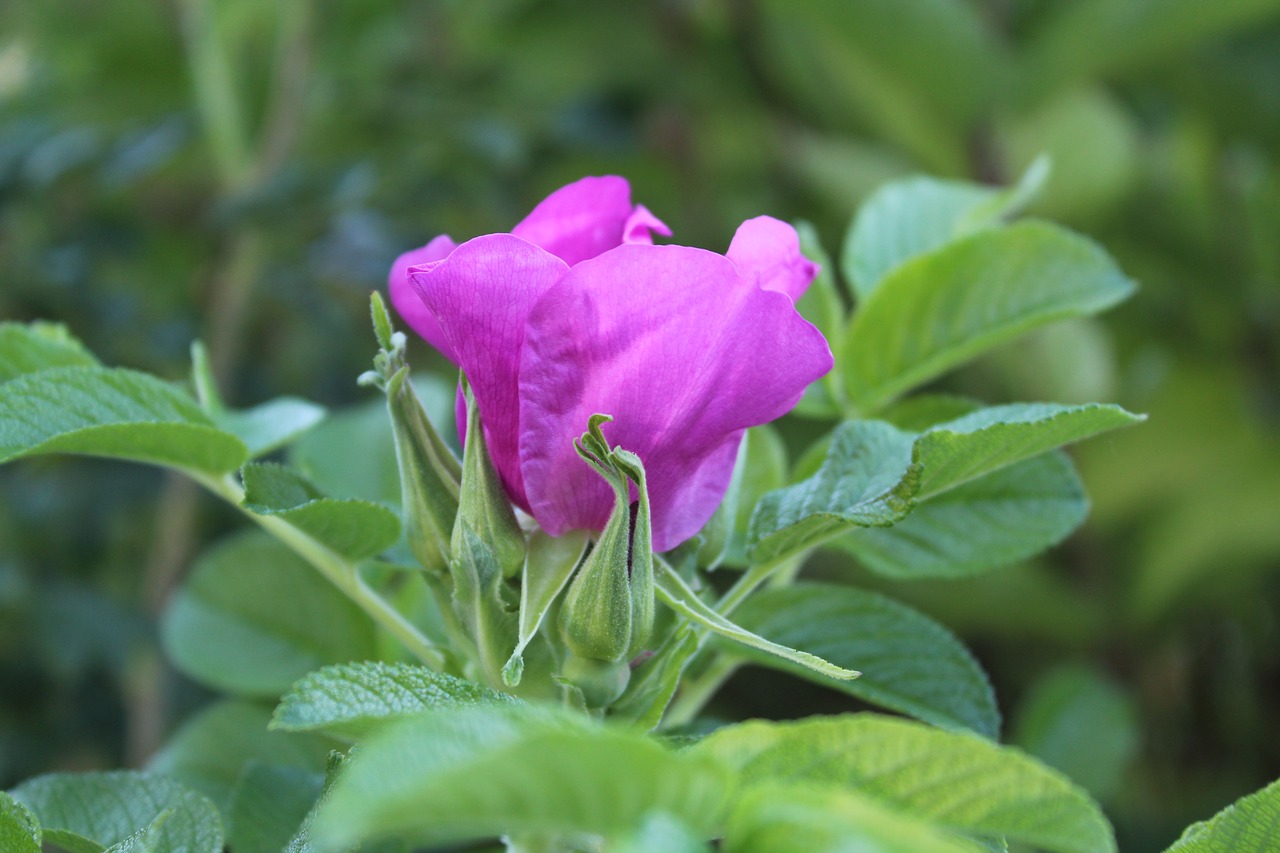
[(575, 312)]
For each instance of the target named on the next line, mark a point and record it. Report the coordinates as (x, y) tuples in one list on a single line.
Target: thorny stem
[(342, 574)]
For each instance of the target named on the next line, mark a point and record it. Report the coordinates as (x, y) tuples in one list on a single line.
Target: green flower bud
[(607, 613), (483, 505)]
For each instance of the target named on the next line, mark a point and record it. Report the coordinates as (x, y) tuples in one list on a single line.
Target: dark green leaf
[(479, 772), (118, 413), (357, 699), (909, 663), (252, 618), (987, 523), (924, 772), (355, 529), (89, 811), (269, 805), (939, 310)]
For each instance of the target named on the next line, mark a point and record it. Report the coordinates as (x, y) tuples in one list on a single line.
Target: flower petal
[(683, 352), (405, 298), (641, 225), (583, 219), (769, 250), (481, 295)]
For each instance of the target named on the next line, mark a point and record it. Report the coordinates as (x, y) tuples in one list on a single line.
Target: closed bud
[(482, 504), (607, 613)]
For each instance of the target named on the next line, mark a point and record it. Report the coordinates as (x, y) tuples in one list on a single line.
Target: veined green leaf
[(908, 218), (353, 528), (674, 593), (909, 663), (354, 700), (83, 812), (941, 309), (19, 829), (213, 749), (117, 413), (814, 819), (987, 523), (1246, 826), (866, 480), (479, 772), (272, 424), (149, 839), (268, 806), (923, 772), (27, 348), (253, 617), (978, 443)]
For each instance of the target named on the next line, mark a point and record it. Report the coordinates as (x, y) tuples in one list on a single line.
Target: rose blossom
[(577, 312)]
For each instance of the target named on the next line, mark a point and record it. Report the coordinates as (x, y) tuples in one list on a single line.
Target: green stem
[(753, 577), (697, 692), (342, 574)]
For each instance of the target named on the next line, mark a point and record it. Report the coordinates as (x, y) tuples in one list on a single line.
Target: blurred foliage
[(244, 172)]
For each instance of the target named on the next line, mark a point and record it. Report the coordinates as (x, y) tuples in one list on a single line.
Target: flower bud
[(608, 611), (483, 505)]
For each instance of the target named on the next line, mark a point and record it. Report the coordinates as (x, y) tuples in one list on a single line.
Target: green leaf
[(674, 593), (268, 806), (117, 413), (972, 445), (761, 468), (941, 309), (908, 218), (271, 425), (253, 617), (27, 348), (548, 565), (953, 780), (149, 839), (84, 812), (909, 663), (660, 832), (821, 305), (353, 528), (212, 750), (866, 480), (1249, 825), (1083, 724), (355, 700), (654, 682), (480, 772), (987, 523), (827, 820), (19, 829)]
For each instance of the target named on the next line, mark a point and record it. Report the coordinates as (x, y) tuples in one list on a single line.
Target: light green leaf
[(972, 445), (88, 811), (117, 413), (953, 780), (905, 219), (355, 529), (659, 832), (909, 663), (253, 617), (771, 818), (271, 425), (19, 829), (548, 565), (269, 805), (987, 523), (1249, 825), (1081, 723), (866, 480), (480, 772), (939, 310), (821, 305), (673, 592), (213, 749), (27, 348), (357, 699), (149, 839)]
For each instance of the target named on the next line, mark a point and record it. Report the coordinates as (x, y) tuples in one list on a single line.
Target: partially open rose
[(577, 312)]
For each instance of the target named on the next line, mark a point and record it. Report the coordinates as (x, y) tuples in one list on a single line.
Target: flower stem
[(341, 573), (697, 692)]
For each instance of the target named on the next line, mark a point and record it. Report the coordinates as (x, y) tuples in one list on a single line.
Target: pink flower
[(577, 312)]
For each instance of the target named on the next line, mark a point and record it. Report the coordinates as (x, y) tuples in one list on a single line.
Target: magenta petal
[(581, 220), (678, 346), (481, 295), (768, 249), (405, 298), (641, 225)]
